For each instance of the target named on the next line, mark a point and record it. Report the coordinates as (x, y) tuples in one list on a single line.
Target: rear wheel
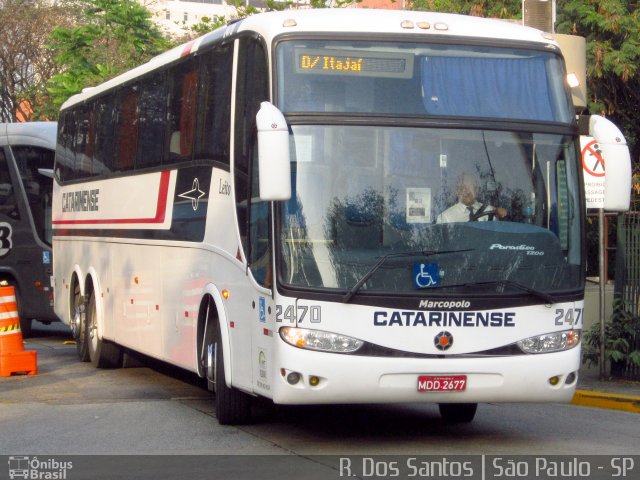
[(232, 406), (78, 324), (458, 412), (103, 354)]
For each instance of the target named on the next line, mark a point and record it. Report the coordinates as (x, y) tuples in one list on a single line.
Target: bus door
[(252, 215)]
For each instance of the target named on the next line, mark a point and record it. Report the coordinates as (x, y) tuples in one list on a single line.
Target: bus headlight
[(320, 340), (550, 342)]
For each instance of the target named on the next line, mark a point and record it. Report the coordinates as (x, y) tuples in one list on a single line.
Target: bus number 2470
[(305, 313), (570, 316)]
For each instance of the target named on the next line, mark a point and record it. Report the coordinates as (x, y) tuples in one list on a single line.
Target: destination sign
[(359, 63)]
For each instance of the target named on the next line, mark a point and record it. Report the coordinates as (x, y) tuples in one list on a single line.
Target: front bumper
[(360, 379)]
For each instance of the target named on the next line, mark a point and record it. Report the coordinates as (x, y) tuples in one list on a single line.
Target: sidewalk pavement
[(610, 393)]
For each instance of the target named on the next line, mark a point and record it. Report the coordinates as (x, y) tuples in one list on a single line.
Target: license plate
[(442, 383)]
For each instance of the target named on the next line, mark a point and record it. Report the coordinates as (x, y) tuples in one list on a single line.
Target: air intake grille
[(538, 14)]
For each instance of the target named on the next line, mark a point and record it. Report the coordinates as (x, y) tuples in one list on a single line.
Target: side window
[(212, 136), (253, 218), (37, 186), (104, 113), (127, 130), (563, 204), (8, 205), (84, 143), (183, 96), (65, 156), (259, 238), (151, 128)]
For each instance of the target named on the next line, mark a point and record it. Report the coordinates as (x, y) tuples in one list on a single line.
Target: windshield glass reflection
[(362, 194)]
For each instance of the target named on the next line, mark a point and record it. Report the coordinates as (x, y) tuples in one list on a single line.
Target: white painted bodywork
[(149, 291)]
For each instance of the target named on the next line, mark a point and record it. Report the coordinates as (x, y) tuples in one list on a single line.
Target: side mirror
[(615, 152), (273, 154)]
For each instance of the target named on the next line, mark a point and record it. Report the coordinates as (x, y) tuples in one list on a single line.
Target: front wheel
[(458, 412), (25, 323), (232, 406)]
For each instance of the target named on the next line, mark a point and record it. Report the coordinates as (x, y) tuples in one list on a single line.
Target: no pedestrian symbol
[(592, 159)]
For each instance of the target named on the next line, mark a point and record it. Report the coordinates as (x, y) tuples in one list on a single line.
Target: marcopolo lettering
[(444, 304), (443, 319), (80, 201)]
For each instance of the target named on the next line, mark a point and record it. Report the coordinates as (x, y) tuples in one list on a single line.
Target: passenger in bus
[(468, 208)]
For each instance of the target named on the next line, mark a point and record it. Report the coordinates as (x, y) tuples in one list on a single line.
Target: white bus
[(27, 152), (261, 206)]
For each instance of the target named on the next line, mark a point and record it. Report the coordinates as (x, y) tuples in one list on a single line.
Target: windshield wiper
[(510, 283), (384, 258), (536, 293)]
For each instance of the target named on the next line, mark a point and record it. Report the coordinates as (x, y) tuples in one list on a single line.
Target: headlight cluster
[(320, 340), (550, 342)]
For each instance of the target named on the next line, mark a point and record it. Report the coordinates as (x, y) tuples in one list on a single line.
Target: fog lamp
[(293, 378)]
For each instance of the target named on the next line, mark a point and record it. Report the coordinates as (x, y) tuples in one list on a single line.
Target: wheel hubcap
[(77, 320), (211, 364)]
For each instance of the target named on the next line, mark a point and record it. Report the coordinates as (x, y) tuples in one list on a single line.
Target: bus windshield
[(364, 193), (397, 206), (33, 164), (422, 79)]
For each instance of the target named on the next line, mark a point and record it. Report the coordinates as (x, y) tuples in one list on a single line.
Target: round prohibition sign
[(592, 155)]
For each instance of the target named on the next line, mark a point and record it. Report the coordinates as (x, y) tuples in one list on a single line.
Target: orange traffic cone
[(13, 358)]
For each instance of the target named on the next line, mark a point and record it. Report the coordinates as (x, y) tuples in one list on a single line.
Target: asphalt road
[(70, 408)]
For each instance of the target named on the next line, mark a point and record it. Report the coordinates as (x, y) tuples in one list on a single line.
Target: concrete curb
[(611, 401)]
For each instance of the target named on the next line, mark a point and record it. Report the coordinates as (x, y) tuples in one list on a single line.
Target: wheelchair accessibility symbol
[(426, 275)]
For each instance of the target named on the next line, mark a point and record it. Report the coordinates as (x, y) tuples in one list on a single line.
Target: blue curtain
[(512, 88)]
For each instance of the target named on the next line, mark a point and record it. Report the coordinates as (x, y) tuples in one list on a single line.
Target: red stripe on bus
[(161, 209), (187, 49)]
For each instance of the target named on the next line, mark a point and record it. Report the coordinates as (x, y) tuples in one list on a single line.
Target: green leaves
[(622, 339), (634, 358), (110, 37), (478, 8), (25, 63), (612, 30)]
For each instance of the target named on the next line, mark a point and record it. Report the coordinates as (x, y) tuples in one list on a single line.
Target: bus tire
[(458, 412), (233, 407), (25, 323), (25, 327), (78, 323), (103, 354)]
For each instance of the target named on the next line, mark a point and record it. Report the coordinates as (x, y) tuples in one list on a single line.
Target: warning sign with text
[(593, 164)]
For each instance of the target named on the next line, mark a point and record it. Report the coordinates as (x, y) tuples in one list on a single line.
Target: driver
[(468, 209)]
